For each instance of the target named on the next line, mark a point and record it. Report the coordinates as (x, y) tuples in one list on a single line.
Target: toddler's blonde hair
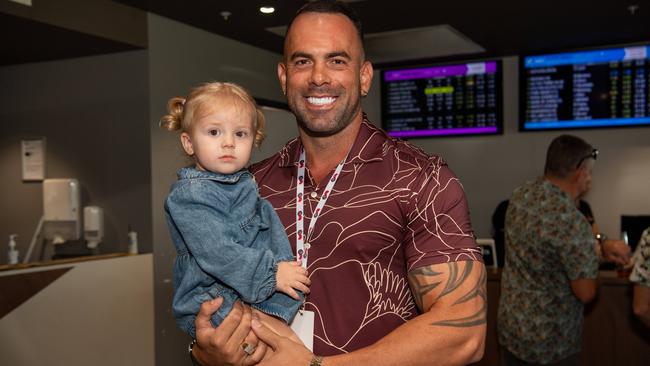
[(182, 111)]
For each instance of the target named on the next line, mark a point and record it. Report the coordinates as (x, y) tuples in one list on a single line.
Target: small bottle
[(12, 253), (624, 237), (133, 241)]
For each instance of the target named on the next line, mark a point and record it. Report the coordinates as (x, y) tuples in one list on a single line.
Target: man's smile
[(321, 101)]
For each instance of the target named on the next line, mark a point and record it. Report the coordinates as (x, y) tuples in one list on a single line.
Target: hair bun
[(172, 120)]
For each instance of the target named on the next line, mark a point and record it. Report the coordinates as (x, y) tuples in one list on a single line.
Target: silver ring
[(248, 348)]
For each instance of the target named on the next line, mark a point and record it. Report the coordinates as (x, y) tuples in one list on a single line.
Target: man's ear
[(282, 76), (577, 174), (366, 77), (187, 144)]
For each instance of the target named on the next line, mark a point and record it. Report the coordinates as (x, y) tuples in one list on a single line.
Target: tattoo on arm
[(424, 280), (421, 290)]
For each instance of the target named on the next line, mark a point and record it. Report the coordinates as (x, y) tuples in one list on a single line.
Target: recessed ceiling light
[(225, 14), (632, 9), (267, 9)]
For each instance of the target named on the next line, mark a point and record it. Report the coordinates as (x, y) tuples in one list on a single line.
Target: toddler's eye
[(214, 132), (241, 134)]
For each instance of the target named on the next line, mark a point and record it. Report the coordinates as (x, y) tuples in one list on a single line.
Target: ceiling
[(25, 40), (489, 28), (397, 32)]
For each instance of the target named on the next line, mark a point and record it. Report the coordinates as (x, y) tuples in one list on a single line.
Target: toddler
[(229, 241)]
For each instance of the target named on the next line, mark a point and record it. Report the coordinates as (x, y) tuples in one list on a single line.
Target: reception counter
[(87, 311), (611, 333)]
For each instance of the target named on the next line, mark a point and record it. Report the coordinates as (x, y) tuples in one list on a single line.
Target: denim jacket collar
[(193, 173)]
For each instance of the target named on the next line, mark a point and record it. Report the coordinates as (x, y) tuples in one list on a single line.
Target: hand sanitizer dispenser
[(93, 226)]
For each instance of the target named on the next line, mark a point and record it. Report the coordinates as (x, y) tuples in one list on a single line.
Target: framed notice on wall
[(33, 159)]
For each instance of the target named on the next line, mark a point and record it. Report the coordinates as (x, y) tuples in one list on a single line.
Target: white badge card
[(303, 326)]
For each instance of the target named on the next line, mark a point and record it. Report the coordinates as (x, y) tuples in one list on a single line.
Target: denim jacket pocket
[(254, 223)]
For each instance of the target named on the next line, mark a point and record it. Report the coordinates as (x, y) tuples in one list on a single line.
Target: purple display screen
[(443, 100), (442, 71)]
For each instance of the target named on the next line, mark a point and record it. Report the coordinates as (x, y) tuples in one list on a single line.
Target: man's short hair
[(565, 154), (331, 7)]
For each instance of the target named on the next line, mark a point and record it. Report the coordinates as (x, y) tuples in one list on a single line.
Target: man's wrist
[(316, 360), (195, 362)]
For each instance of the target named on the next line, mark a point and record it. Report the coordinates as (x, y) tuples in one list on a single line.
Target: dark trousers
[(508, 359)]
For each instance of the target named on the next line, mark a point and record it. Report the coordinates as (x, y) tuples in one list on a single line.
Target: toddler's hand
[(291, 277)]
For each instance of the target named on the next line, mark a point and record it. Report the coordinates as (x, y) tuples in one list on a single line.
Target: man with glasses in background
[(551, 260)]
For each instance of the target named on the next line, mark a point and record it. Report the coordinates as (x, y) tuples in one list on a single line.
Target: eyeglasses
[(593, 155)]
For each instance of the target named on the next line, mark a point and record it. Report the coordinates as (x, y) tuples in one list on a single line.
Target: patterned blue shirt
[(548, 244)]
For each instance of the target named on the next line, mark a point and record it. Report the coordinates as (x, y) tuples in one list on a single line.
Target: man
[(551, 261), (397, 278), (640, 276)]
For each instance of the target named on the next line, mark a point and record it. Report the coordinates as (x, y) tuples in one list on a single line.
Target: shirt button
[(313, 194), (307, 246)]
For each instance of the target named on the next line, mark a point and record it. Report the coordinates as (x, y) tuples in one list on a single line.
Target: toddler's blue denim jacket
[(228, 242)]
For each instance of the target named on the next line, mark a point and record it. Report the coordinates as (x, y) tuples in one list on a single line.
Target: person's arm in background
[(578, 255), (615, 251), (595, 228), (584, 289)]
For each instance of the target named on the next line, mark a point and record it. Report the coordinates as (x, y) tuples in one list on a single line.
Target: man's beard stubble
[(341, 119)]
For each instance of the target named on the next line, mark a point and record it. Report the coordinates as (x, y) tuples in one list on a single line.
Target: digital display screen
[(586, 89), (443, 100)]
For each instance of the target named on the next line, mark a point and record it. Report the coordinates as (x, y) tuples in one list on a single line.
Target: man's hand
[(616, 251), (285, 350), (223, 345)]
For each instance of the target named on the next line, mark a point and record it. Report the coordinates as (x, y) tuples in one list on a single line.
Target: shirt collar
[(549, 186), (369, 146)]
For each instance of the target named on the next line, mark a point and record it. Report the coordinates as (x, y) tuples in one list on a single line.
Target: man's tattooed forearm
[(454, 279), (424, 280), (480, 316), (421, 290)]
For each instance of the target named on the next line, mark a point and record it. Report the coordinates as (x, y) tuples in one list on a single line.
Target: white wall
[(490, 167)]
